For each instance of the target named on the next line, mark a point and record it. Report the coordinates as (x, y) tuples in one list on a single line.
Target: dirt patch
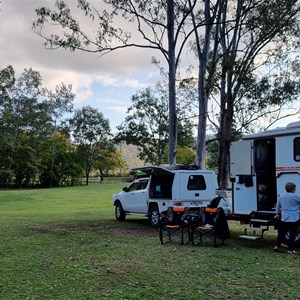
[(130, 228), (133, 233)]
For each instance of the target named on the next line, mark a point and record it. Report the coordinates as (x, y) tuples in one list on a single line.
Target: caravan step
[(262, 221), (250, 237), (267, 212), (256, 228)]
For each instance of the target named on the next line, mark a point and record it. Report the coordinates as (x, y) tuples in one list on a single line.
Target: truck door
[(142, 197), (136, 197)]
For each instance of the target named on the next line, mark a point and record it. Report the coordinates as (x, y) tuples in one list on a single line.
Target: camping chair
[(215, 202), (174, 225), (212, 222)]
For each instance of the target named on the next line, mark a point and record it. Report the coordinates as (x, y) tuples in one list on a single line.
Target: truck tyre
[(154, 217), (119, 212), (297, 239)]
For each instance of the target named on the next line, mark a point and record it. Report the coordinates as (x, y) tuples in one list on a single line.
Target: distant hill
[(129, 154)]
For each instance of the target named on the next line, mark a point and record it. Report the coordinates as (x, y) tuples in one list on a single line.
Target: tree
[(252, 29), (205, 22), (146, 125), (185, 155), (59, 103), (21, 114), (109, 160), (91, 133), (59, 167), (26, 111), (160, 25), (25, 164)]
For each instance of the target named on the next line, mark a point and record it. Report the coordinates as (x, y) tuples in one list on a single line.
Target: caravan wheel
[(297, 239)]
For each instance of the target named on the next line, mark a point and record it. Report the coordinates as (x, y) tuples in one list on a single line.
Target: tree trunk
[(225, 130), (224, 146), (172, 86), (202, 120), (202, 88), (87, 175)]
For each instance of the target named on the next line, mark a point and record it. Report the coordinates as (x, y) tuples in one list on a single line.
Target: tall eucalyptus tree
[(160, 26)]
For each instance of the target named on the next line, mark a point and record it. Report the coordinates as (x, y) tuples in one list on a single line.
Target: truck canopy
[(164, 169)]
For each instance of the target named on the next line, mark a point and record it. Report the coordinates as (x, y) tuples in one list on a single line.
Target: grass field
[(65, 244)]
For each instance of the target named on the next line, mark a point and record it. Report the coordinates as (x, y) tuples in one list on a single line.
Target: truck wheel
[(297, 239), (154, 217), (119, 212)]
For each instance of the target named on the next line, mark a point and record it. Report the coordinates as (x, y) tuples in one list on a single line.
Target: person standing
[(288, 208)]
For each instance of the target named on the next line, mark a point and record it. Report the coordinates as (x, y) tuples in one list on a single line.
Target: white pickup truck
[(167, 186)]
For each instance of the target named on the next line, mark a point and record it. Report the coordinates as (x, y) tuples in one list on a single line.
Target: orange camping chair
[(174, 225), (208, 225)]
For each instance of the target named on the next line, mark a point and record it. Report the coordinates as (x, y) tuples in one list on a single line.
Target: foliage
[(23, 119), (91, 133), (146, 125), (185, 155), (35, 144), (110, 160), (205, 20), (241, 47), (212, 155), (256, 74), (160, 26), (59, 161)]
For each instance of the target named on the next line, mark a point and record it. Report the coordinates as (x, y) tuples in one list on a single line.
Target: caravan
[(260, 166)]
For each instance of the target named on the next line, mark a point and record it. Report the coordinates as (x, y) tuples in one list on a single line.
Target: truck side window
[(297, 149), (196, 182), (143, 184), (133, 186)]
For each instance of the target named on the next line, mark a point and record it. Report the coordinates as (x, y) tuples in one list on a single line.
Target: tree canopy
[(247, 52), (36, 146), (146, 125), (91, 134), (160, 25), (257, 74)]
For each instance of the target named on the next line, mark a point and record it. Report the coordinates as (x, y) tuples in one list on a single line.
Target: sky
[(106, 83)]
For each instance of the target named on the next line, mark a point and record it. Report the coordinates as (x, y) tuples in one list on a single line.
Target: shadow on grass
[(138, 227), (129, 228)]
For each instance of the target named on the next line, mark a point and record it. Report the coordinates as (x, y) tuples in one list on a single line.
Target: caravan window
[(297, 149), (196, 182)]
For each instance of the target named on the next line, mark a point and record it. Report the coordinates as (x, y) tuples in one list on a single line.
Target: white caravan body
[(260, 166)]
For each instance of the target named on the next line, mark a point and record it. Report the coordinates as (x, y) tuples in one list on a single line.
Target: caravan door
[(244, 195), (244, 198)]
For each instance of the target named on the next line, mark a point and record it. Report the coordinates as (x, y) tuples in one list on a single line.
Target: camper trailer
[(260, 166)]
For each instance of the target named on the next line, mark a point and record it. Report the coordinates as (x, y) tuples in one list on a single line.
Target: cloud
[(119, 81), (106, 82), (22, 48), (133, 83), (118, 109)]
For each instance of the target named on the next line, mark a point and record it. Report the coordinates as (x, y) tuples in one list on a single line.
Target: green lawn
[(65, 244)]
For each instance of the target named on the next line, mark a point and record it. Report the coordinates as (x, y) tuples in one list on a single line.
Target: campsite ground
[(65, 244)]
